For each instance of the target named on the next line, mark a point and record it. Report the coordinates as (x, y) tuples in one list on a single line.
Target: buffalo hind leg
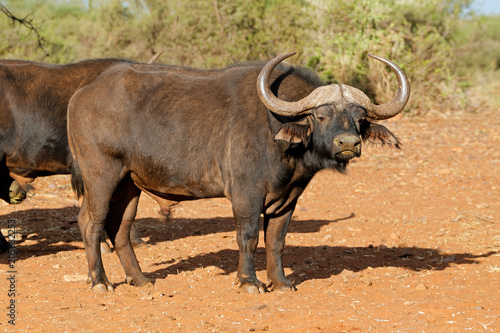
[(118, 226), (89, 231), (99, 190), (275, 229)]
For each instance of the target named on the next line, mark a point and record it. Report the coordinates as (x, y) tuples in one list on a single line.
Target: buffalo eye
[(323, 113)]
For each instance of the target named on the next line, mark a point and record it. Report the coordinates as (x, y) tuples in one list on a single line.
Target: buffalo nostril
[(348, 141)]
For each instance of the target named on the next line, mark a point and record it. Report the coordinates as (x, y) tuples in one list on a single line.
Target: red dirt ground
[(408, 241)]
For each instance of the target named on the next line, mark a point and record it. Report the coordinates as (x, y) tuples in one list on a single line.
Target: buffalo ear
[(293, 133), (379, 135), (287, 136)]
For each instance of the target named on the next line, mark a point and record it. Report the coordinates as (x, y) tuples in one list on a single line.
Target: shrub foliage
[(332, 37)]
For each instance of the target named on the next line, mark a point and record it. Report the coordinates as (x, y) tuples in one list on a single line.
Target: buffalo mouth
[(346, 155)]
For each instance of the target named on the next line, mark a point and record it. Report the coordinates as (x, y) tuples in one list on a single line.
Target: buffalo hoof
[(251, 286), (139, 282), (103, 288), (16, 193), (147, 285), (282, 286), (105, 248)]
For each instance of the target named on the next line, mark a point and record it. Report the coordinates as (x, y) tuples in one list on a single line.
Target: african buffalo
[(192, 135), (33, 132)]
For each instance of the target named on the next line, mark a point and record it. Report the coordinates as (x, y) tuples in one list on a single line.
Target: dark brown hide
[(33, 131), (33, 104), (185, 135)]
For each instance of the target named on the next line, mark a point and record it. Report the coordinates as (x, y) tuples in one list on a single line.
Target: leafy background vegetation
[(445, 49)]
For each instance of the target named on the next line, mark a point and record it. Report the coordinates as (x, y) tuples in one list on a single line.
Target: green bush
[(478, 45), (332, 37), (415, 34)]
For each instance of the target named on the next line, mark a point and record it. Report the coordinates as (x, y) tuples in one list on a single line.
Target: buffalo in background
[(33, 130)]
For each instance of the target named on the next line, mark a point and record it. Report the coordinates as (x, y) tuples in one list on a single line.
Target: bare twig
[(27, 23), (219, 18)]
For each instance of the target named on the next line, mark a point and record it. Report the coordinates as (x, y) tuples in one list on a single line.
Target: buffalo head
[(336, 117)]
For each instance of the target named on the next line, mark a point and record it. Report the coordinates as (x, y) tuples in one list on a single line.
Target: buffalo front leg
[(275, 229), (247, 237)]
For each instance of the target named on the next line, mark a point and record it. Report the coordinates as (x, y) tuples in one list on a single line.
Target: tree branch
[(27, 24), (219, 18)]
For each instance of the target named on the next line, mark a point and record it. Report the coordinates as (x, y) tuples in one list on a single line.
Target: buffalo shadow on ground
[(305, 262), (48, 231), (324, 261)]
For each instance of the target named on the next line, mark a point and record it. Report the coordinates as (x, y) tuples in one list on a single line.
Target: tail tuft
[(76, 180)]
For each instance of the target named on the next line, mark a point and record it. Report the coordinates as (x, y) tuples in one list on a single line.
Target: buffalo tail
[(76, 180)]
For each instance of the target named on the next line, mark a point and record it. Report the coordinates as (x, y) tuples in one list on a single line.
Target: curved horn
[(397, 104), (154, 58), (272, 102), (332, 93)]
